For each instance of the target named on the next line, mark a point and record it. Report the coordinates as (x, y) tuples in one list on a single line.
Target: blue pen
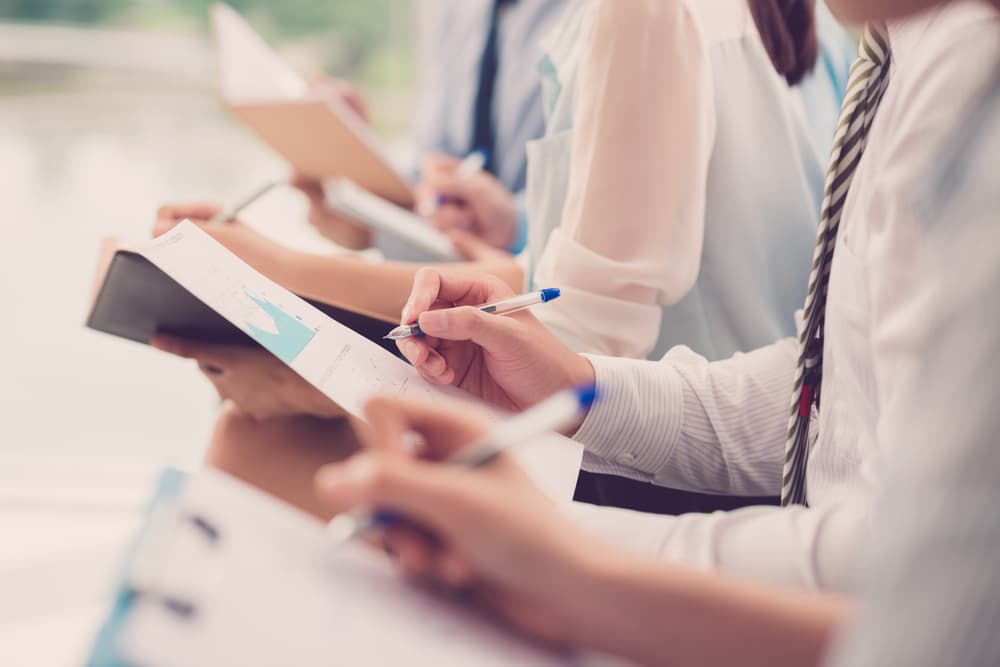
[(503, 307), (561, 410), (473, 163)]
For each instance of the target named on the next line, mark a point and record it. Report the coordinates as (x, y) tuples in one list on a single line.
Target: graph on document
[(282, 334)]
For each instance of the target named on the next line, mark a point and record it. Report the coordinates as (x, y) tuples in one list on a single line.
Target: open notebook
[(222, 574), (321, 138)]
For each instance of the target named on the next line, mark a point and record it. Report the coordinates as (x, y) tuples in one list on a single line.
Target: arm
[(499, 540), (692, 424), (631, 232), (377, 288)]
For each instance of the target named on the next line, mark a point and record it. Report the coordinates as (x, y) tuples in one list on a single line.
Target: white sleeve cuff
[(637, 418)]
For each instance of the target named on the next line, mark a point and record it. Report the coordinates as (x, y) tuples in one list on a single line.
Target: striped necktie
[(866, 85)]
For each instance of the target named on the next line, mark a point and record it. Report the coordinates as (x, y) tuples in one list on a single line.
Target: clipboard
[(222, 574), (321, 138)]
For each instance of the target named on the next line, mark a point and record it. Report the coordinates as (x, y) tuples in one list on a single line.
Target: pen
[(559, 411), (226, 215), (472, 163), (504, 307)]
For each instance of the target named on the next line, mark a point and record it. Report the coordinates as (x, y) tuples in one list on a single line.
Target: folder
[(134, 299), (321, 138), (222, 574)]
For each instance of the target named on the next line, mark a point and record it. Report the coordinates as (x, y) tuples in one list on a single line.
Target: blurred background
[(109, 108)]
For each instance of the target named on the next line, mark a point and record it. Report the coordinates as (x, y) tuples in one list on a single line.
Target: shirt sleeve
[(630, 237), (688, 423), (799, 546)]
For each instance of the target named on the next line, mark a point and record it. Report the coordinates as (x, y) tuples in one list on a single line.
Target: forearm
[(664, 614), (688, 423), (807, 547), (377, 288)]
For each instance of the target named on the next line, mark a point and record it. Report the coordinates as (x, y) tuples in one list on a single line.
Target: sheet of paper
[(342, 364), (271, 589), (385, 216), (249, 69)]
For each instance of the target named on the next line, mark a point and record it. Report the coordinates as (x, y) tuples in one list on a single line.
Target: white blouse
[(675, 195), (720, 427)]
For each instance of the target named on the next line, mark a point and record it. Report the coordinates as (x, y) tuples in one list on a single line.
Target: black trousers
[(612, 491)]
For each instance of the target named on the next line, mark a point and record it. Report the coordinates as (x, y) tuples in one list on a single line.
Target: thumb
[(474, 248)]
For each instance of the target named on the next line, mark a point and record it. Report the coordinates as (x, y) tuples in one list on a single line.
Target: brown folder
[(321, 138)]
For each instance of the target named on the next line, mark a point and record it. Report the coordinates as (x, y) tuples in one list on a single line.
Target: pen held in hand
[(226, 215), (560, 411), (472, 164), (504, 307)]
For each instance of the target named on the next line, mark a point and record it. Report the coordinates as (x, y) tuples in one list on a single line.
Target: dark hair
[(788, 30)]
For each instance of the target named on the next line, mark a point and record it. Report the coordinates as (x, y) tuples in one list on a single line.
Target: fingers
[(466, 323), (309, 187), (169, 215), (449, 217), (448, 286), (194, 211), (474, 248), (437, 497), (206, 354), (444, 429)]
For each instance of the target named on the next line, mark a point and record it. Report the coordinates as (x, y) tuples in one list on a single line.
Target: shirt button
[(625, 459)]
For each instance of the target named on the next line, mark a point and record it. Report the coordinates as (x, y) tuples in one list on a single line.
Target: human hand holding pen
[(489, 531), (512, 361), (473, 202)]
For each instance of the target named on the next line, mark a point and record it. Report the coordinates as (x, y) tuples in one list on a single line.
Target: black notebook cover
[(137, 300)]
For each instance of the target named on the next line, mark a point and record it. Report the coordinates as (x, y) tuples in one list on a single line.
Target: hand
[(258, 383), (487, 531), (477, 203), (511, 361), (341, 90), (255, 249), (343, 230)]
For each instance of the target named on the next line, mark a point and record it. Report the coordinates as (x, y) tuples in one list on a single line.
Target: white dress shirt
[(675, 195), (721, 427), (931, 584)]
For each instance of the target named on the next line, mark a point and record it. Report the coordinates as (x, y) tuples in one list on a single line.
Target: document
[(242, 579), (341, 363), (345, 196)]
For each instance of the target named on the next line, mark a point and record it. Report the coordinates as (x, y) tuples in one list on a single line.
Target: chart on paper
[(344, 365)]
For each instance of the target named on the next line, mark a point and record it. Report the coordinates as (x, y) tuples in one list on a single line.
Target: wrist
[(592, 610)]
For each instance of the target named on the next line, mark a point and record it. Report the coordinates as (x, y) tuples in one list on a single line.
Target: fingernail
[(407, 313)]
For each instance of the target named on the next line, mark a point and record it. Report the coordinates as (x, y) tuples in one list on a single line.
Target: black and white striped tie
[(866, 85)]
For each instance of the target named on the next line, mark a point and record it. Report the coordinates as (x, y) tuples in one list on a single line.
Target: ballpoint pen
[(559, 411), (473, 162), (504, 307), (228, 214)]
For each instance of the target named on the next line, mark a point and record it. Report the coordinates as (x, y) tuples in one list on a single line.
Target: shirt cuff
[(638, 416)]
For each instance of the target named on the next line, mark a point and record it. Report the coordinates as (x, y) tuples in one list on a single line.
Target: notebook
[(135, 299), (222, 574), (345, 365), (321, 138)]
